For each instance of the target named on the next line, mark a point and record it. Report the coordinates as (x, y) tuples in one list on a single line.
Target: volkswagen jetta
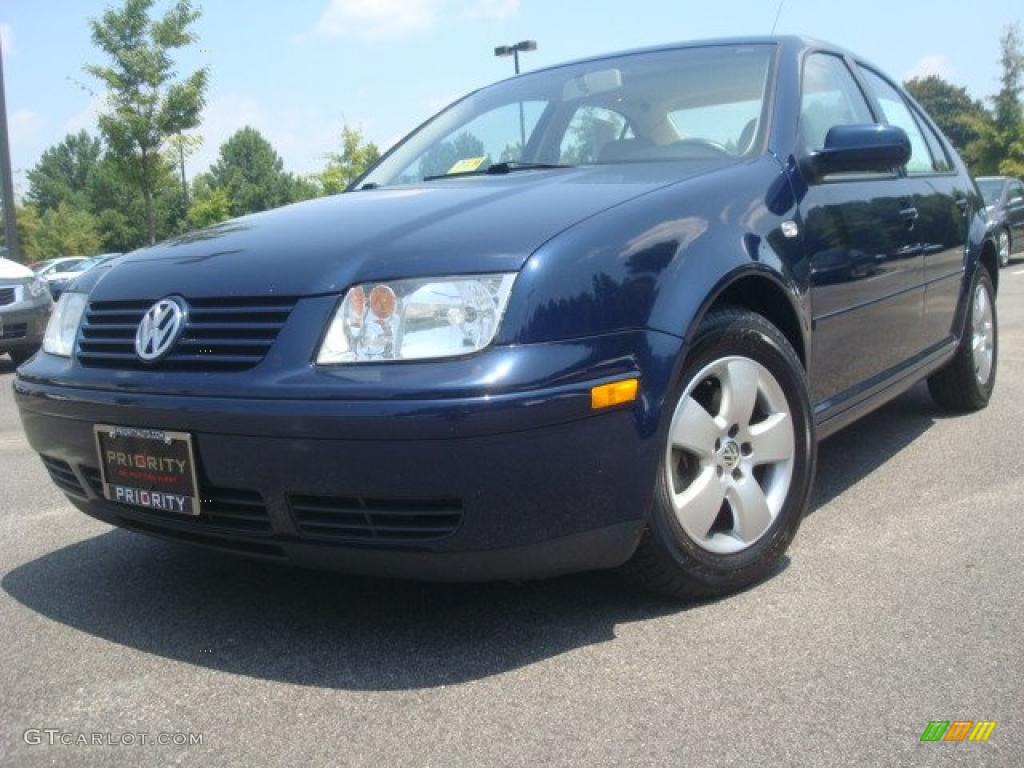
[(597, 315)]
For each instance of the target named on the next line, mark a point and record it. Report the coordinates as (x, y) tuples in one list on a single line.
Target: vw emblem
[(730, 455), (159, 329)]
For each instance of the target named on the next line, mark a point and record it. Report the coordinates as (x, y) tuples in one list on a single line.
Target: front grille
[(220, 335), (359, 519), (14, 331), (63, 476), (6, 296), (219, 508)]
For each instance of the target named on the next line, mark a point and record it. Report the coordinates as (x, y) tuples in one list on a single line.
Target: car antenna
[(778, 12)]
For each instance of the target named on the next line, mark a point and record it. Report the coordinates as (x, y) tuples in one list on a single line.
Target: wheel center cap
[(730, 455)]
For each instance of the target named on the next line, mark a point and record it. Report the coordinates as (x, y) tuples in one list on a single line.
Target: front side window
[(897, 113), (829, 97), (1016, 196), (686, 105)]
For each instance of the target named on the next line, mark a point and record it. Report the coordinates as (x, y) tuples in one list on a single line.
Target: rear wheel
[(1005, 246), (738, 462), (966, 383)]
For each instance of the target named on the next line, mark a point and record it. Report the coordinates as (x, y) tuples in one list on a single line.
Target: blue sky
[(298, 69)]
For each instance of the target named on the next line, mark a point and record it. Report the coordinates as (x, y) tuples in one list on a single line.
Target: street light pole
[(6, 183), (513, 50)]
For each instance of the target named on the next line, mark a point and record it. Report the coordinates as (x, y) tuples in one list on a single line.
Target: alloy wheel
[(730, 455), (983, 334)]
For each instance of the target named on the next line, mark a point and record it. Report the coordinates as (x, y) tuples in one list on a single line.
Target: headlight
[(63, 325), (37, 288), (416, 319)]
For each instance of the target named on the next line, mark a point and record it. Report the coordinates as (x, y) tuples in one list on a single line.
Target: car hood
[(467, 225), (11, 270)]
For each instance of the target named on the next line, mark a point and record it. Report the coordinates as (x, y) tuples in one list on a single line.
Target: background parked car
[(52, 269), (1004, 197), (25, 306), (61, 280)]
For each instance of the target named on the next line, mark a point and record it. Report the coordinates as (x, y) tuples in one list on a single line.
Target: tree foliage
[(66, 173), (344, 167), (212, 208), (251, 174), (961, 118), (67, 231), (991, 141), (146, 105)]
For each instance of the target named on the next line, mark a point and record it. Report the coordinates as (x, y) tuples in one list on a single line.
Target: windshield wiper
[(497, 169)]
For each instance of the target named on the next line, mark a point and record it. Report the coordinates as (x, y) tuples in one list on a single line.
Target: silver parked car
[(25, 306)]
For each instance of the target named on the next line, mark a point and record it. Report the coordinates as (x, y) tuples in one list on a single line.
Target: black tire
[(669, 561), (956, 387), (19, 356)]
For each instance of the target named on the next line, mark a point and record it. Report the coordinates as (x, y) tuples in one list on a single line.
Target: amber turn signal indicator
[(616, 393)]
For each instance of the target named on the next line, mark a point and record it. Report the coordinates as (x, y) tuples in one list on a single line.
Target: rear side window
[(939, 156), (830, 97), (897, 112)]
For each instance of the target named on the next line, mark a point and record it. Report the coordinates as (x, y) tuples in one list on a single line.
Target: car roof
[(794, 42)]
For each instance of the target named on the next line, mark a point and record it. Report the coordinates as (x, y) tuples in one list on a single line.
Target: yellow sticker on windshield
[(468, 164)]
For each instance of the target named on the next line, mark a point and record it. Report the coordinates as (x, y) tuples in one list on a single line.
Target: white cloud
[(392, 19), (7, 39), (933, 64), (26, 127), (301, 136)]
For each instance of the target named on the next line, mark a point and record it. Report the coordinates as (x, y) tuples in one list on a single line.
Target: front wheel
[(738, 462)]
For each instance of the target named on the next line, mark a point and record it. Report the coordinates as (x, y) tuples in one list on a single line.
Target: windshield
[(688, 104), (991, 190)]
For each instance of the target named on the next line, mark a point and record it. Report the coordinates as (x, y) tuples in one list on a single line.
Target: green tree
[(1000, 144), (68, 231), (28, 223), (344, 167), (145, 103), (962, 119), (251, 173), (212, 209), (65, 172)]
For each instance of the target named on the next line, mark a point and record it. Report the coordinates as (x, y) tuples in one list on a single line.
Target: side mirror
[(860, 148)]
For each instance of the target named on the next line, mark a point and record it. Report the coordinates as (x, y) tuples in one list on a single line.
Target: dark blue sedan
[(597, 315)]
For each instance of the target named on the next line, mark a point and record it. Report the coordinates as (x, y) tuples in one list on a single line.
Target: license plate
[(148, 468)]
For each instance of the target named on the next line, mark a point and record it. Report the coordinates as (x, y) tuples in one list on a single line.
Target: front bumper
[(522, 485), (24, 325)]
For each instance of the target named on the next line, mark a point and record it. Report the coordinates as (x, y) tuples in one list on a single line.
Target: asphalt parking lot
[(900, 603)]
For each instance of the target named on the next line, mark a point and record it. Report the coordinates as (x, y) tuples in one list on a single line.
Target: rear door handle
[(962, 203), (909, 216)]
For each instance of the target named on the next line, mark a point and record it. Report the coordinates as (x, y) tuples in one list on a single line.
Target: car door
[(866, 263), (941, 200)]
